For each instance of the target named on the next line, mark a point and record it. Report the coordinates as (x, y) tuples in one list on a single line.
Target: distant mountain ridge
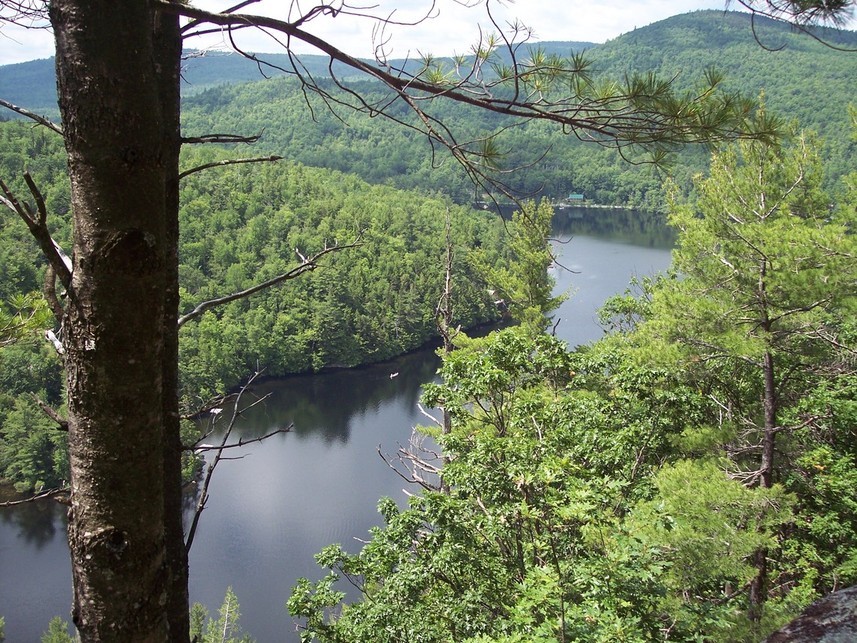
[(798, 77), (33, 84)]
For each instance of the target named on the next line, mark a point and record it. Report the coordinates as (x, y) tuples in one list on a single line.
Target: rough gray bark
[(168, 49), (120, 350)]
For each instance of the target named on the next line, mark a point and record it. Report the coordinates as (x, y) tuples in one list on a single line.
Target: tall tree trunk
[(168, 49), (770, 410), (759, 585), (116, 338)]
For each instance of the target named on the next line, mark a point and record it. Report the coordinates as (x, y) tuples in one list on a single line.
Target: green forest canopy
[(803, 80), (243, 224), (691, 477)]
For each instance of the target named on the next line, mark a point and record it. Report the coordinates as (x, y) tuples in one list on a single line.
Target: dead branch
[(37, 224), (412, 477), (30, 14), (51, 493), (206, 166), (429, 415), (308, 264), (220, 138), (416, 460), (218, 450), (209, 406), (62, 423), (203, 448), (41, 120)]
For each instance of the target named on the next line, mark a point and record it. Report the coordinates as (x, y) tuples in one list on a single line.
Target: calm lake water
[(284, 500)]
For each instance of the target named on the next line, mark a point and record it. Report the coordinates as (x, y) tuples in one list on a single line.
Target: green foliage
[(224, 629), (766, 269), (363, 304), (523, 284), (623, 313), (615, 493), (192, 462), (31, 366), (705, 529), (57, 632), (821, 545), (759, 317), (33, 451), (548, 452), (757, 265), (24, 315), (2, 629)]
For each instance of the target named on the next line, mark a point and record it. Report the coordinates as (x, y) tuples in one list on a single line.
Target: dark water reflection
[(324, 406), (277, 505), (643, 229), (36, 524)]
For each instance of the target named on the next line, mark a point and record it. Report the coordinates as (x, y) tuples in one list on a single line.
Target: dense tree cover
[(690, 477), (242, 225), (364, 304), (32, 449), (805, 80), (33, 452), (794, 78)]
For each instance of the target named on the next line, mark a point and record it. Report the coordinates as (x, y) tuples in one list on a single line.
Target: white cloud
[(18, 44), (452, 26)]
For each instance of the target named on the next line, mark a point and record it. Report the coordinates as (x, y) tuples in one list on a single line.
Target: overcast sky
[(452, 27)]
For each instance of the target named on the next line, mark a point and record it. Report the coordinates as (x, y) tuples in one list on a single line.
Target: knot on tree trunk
[(129, 253)]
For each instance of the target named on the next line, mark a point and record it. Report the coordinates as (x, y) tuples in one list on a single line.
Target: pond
[(283, 500)]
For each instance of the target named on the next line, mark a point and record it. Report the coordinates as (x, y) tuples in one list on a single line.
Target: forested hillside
[(242, 225), (365, 304), (799, 77), (802, 80)]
